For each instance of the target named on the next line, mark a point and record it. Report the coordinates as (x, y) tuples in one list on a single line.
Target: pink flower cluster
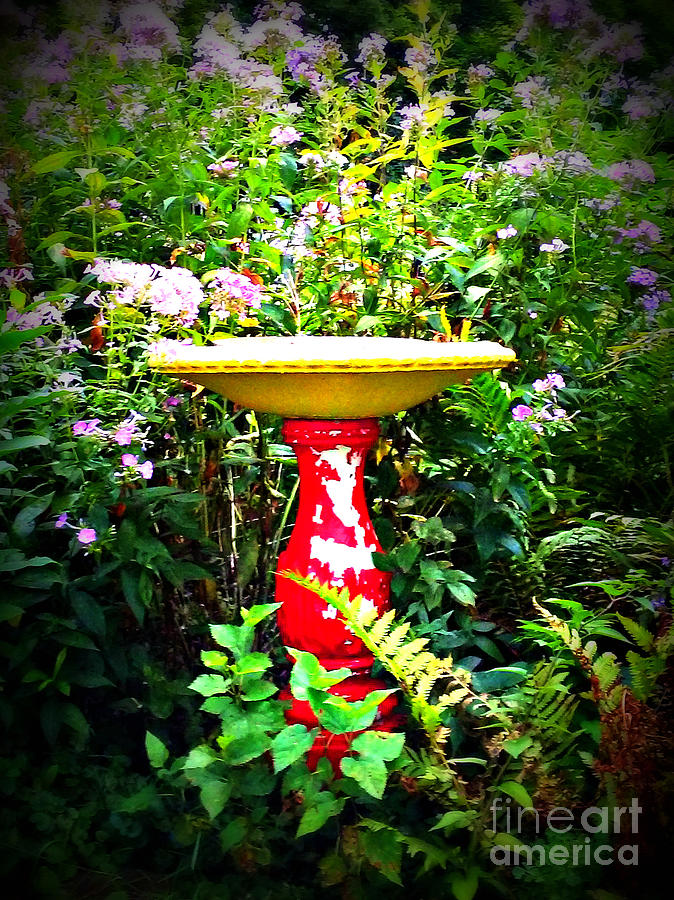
[(631, 171), (284, 135), (233, 293), (174, 292)]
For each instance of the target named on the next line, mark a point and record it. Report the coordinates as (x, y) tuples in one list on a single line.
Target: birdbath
[(330, 391)]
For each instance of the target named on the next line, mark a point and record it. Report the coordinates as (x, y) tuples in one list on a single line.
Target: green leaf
[(239, 220), (156, 750), (369, 772), (257, 613), (291, 744), (325, 806), (516, 746), (383, 851), (8, 612), (309, 673), (464, 886), (338, 715), (257, 689), (26, 442), (200, 758), (130, 579), (233, 834), (242, 750), (515, 790), (455, 818), (253, 663), (237, 638), (89, 612), (10, 340), (54, 161), (214, 795), (382, 744), (499, 678), (207, 685)]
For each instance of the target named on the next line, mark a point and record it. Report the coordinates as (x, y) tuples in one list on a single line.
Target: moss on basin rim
[(331, 377)]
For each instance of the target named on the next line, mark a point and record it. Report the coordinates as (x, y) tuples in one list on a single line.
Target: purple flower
[(487, 115), (479, 73), (61, 521), (525, 164), (665, 561), (507, 232), (85, 426), (86, 536), (372, 51), (557, 246), (644, 277), (653, 298), (129, 459), (172, 401), (522, 412), (631, 171), (413, 116)]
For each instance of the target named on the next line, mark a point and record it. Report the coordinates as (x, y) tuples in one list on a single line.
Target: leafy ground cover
[(186, 171)]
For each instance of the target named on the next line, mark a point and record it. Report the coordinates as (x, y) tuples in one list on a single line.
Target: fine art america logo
[(595, 821)]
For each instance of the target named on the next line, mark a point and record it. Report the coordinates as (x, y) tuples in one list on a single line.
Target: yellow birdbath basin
[(330, 377)]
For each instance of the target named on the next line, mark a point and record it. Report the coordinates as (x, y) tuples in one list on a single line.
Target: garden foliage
[(184, 172)]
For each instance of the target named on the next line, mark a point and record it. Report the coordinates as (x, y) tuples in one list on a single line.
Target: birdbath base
[(332, 541)]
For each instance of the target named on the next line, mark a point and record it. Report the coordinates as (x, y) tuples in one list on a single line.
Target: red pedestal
[(333, 540)]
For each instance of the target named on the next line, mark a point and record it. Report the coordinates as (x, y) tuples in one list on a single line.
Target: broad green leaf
[(207, 685), (291, 744), (516, 746), (199, 758), (214, 795), (383, 851), (54, 161), (26, 442), (156, 750), (455, 818), (257, 613), (464, 886), (515, 790), (324, 807), (237, 638), (369, 772), (382, 744)]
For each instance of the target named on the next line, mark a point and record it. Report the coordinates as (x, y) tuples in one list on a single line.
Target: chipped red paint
[(332, 540)]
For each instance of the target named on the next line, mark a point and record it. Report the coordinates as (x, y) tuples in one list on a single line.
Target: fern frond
[(641, 636), (605, 668)]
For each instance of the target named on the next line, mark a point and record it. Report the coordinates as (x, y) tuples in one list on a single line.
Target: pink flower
[(124, 435), (522, 412), (550, 383), (86, 536), (223, 167), (284, 135), (128, 459), (146, 469), (86, 426)]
